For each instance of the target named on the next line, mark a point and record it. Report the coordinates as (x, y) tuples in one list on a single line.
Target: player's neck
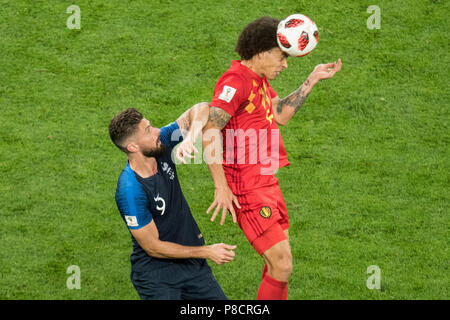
[(252, 65), (142, 165)]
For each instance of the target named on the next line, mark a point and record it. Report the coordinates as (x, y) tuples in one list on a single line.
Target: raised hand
[(326, 70), (186, 149)]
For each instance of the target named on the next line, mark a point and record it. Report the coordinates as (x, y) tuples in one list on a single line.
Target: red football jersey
[(252, 145)]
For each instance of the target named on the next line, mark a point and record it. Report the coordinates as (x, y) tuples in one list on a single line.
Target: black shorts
[(178, 281)]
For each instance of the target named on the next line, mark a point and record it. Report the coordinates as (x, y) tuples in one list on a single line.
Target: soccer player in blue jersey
[(169, 253)]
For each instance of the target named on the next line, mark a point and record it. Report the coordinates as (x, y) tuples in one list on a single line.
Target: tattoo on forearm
[(295, 99), (218, 117), (184, 121)]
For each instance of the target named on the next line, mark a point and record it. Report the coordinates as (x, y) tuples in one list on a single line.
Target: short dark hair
[(258, 36), (124, 125)]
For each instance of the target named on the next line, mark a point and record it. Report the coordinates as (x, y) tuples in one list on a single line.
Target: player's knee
[(286, 264), (283, 263)]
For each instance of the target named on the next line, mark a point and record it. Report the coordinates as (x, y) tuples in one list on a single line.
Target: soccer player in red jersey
[(247, 112)]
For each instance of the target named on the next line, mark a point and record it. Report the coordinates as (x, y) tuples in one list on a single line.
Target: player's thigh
[(270, 238), (279, 256), (202, 286), (286, 233), (206, 288), (284, 217), (260, 212), (154, 285)]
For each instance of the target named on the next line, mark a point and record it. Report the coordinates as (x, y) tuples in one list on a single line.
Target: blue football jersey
[(157, 198)]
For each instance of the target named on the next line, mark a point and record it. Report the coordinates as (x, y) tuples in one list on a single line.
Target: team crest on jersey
[(265, 212)]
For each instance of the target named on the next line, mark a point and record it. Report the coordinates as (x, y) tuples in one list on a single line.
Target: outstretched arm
[(285, 109), (191, 124)]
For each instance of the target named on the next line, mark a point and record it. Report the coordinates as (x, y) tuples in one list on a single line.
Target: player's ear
[(132, 147), (260, 56)]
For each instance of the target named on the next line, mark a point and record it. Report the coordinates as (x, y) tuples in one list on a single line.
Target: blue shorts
[(178, 281)]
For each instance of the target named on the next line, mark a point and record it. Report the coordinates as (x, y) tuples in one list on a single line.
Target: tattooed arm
[(285, 109), (213, 147), (218, 118), (191, 124), (197, 114)]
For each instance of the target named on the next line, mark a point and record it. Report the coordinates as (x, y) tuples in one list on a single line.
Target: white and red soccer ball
[(297, 35)]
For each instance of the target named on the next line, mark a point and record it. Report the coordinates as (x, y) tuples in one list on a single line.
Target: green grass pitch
[(369, 177)]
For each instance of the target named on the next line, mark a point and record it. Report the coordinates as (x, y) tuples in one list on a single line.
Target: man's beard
[(155, 152)]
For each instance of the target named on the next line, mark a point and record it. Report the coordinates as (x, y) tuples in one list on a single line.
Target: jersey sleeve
[(272, 92), (230, 92), (131, 201), (171, 135)]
